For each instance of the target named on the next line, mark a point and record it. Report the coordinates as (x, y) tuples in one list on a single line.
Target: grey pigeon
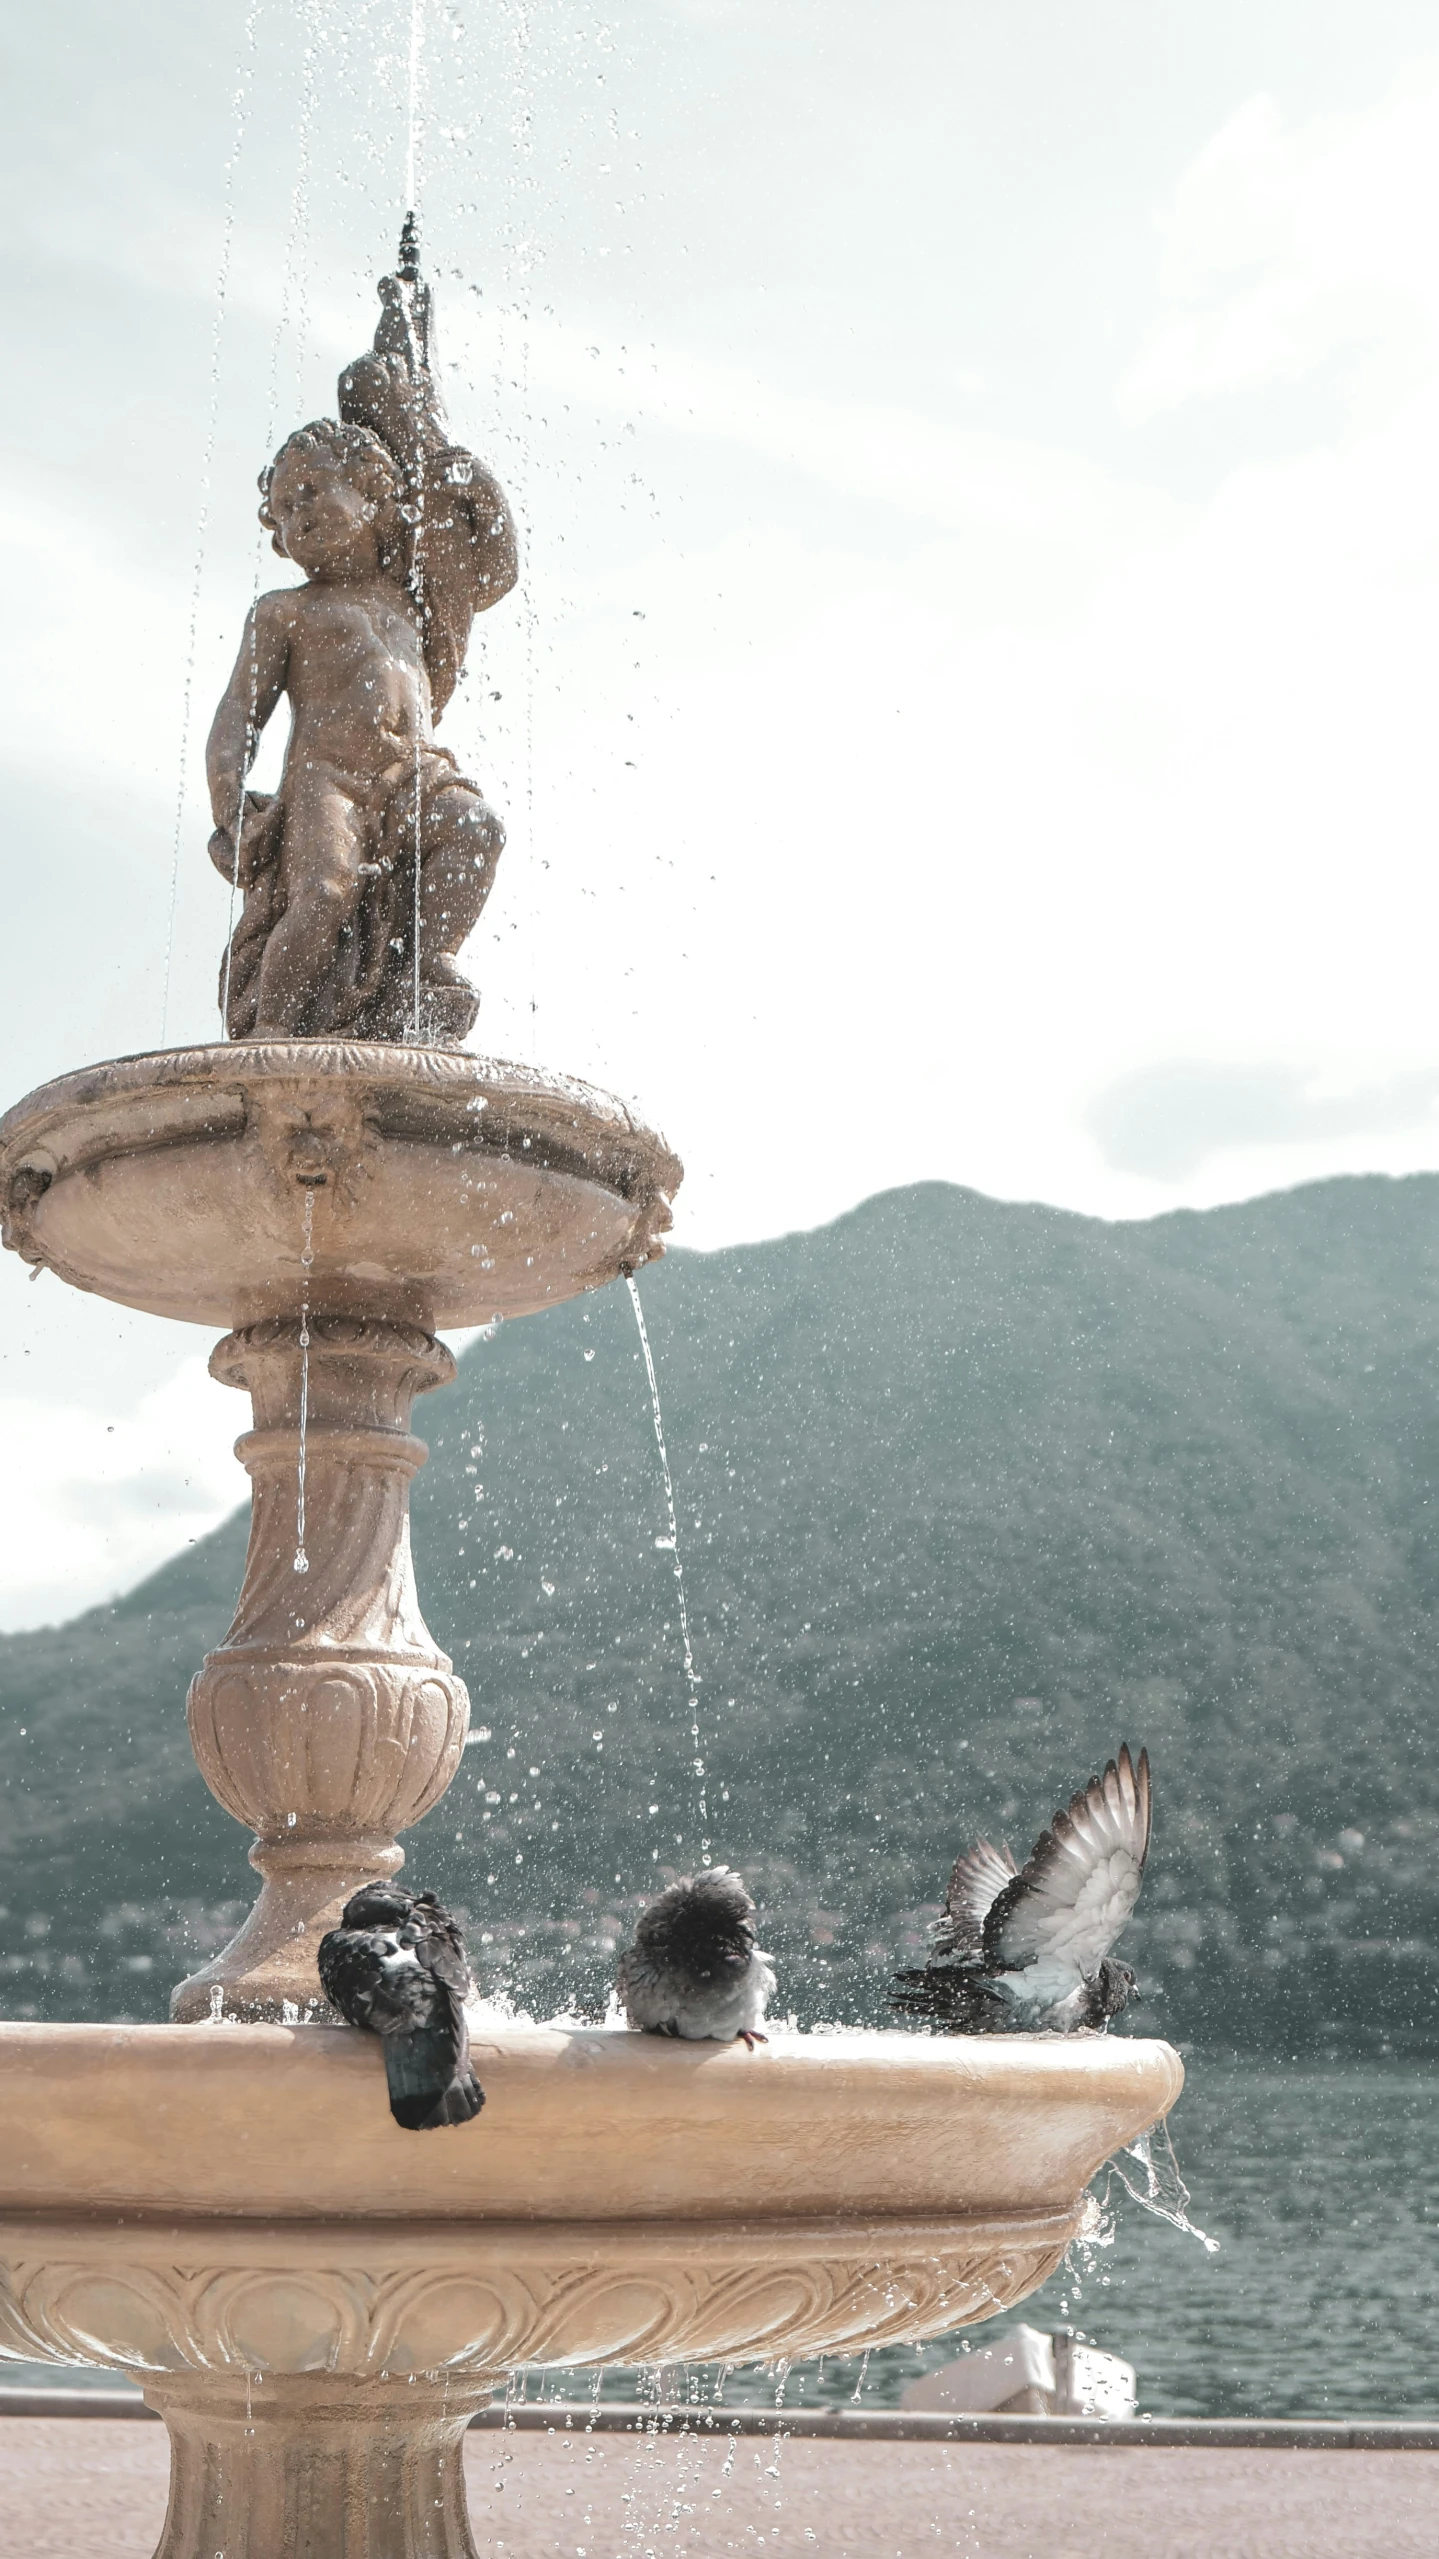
[(396, 1965), (1018, 1951), (694, 1969)]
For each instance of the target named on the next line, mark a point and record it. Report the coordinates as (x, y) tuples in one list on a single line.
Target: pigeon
[(396, 1965), (1014, 1951), (694, 1969)]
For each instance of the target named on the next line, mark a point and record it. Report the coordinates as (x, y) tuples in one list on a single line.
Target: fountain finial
[(407, 322)]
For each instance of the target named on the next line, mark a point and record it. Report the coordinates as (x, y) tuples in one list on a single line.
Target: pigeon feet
[(749, 2036)]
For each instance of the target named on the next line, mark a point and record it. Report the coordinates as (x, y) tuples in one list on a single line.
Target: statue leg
[(461, 840), (310, 954)]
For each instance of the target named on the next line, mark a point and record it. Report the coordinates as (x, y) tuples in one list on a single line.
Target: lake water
[(1321, 2186)]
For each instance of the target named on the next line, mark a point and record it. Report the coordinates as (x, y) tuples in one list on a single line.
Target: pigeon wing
[(975, 1884), (350, 1974), (442, 1946), (1070, 1902), (427, 2065)]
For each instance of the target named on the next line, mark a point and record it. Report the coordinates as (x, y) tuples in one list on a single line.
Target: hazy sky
[(969, 709)]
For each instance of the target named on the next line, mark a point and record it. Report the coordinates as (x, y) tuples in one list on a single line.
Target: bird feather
[(1069, 1903), (975, 1884), (396, 1966), (695, 1969)]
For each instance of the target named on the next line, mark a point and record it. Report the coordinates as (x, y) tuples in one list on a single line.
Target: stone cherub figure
[(365, 871)]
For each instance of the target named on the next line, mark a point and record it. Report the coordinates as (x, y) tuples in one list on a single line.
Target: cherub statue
[(366, 870)]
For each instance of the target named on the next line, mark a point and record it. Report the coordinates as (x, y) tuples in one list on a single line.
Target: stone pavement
[(92, 2488)]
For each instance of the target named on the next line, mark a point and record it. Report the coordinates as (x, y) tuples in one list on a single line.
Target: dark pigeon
[(694, 1969), (396, 1966), (1015, 1952)]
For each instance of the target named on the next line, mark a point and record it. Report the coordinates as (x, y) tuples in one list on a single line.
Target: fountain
[(222, 2208)]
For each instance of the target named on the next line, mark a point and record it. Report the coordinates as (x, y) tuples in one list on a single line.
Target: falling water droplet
[(1164, 2191)]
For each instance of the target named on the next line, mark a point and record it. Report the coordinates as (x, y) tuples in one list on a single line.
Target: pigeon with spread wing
[(1017, 1950)]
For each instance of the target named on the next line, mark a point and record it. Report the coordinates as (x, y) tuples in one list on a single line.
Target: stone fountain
[(222, 2208)]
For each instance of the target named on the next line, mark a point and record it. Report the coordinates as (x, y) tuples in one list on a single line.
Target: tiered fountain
[(222, 2208)]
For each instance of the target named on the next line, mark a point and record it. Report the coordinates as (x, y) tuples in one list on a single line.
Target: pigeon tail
[(957, 1998), (430, 2083)]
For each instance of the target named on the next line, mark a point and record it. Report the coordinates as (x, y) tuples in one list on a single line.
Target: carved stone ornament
[(360, 894), (317, 2383), (379, 2300), (333, 1201), (329, 1718)]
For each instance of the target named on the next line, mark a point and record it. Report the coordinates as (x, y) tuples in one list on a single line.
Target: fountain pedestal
[(319, 2465), (314, 2299), (334, 1203), (329, 1718)]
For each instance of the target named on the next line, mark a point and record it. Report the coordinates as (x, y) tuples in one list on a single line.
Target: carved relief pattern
[(383, 1366), (467, 2304), (329, 1718), (329, 1709), (343, 1745)]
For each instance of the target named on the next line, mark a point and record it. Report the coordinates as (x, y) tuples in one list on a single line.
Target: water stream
[(670, 1543), (412, 102), (307, 1258), (244, 84), (295, 236), (1163, 2192), (417, 491)]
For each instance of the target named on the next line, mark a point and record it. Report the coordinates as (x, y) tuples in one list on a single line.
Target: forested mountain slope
[(968, 1492)]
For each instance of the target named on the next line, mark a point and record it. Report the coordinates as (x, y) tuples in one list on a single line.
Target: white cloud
[(89, 1506), (1286, 247)]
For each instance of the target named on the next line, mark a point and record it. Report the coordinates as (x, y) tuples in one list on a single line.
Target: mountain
[(968, 1491)]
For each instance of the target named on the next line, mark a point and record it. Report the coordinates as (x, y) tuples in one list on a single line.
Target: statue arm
[(495, 546), (467, 557), (245, 705)]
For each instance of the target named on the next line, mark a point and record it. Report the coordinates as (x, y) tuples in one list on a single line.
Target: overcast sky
[(969, 710)]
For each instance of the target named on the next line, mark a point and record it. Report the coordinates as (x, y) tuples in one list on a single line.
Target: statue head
[(332, 500)]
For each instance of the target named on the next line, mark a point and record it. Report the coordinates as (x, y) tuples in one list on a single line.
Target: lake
[(1321, 2185)]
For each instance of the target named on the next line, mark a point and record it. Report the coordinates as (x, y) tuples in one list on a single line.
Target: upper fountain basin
[(444, 1189), (578, 2123)]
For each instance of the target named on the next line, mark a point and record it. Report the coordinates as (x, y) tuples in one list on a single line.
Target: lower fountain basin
[(445, 1189), (236, 2200)]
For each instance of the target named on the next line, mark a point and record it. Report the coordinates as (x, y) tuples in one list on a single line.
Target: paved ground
[(85, 2488)]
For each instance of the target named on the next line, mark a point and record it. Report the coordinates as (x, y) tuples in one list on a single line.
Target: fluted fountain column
[(329, 1718)]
